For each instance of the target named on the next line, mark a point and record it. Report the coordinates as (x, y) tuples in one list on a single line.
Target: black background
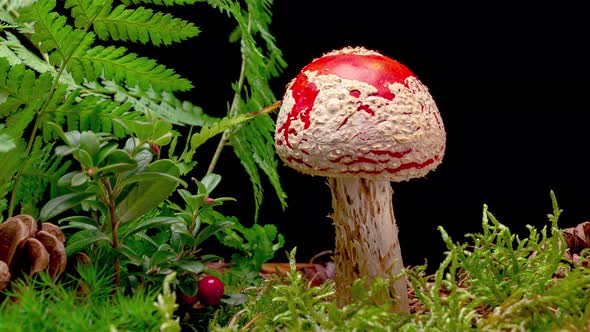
[(511, 85)]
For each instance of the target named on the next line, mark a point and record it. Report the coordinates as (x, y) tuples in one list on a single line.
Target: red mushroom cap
[(355, 112)]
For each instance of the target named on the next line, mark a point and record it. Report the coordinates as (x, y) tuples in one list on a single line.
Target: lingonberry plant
[(94, 138)]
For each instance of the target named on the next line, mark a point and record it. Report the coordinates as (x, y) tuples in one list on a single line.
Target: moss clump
[(493, 282)]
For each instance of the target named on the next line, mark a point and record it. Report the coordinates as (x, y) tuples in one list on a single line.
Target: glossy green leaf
[(120, 157), (89, 143), (79, 219), (142, 129), (62, 203), (181, 237), (80, 225), (211, 181), (72, 138), (105, 152), (79, 179), (84, 158), (84, 239), (131, 256), (211, 230), (163, 140), (147, 224), (148, 176), (190, 265), (119, 168), (145, 239), (162, 128), (64, 150), (161, 256), (149, 194), (66, 179), (194, 202)]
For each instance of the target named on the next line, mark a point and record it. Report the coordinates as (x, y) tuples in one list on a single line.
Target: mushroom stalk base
[(367, 243)]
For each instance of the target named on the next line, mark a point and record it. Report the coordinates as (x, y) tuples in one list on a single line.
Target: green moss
[(39, 304), (493, 282)]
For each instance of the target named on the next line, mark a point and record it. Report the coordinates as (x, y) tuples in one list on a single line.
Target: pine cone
[(26, 249)]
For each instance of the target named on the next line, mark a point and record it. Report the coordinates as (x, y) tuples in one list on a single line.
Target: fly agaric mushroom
[(362, 120)]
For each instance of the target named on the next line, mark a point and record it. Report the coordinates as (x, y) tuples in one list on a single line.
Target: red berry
[(210, 290), (187, 299)]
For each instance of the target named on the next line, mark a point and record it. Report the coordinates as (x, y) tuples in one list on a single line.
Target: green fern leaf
[(6, 142), (163, 103), (261, 61), (85, 12), (12, 6), (72, 48), (4, 24), (7, 53), (11, 162), (136, 25), (143, 25), (217, 128), (94, 112), (244, 152), (52, 33), (254, 141), (113, 63), (42, 170), (16, 53), (19, 87), (160, 2)]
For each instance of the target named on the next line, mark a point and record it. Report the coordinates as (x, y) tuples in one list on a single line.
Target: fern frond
[(113, 63), (5, 24), (164, 104), (244, 152), (262, 60), (262, 18), (6, 142), (143, 25), (85, 12), (96, 113), (217, 128), (160, 2), (7, 53), (42, 170), (207, 132), (13, 5), (52, 33), (254, 141), (11, 162), (71, 48), (19, 87)]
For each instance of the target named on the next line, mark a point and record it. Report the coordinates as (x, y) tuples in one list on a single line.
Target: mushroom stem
[(367, 244)]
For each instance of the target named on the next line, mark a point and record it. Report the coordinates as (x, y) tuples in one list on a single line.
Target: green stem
[(232, 112), (111, 197)]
